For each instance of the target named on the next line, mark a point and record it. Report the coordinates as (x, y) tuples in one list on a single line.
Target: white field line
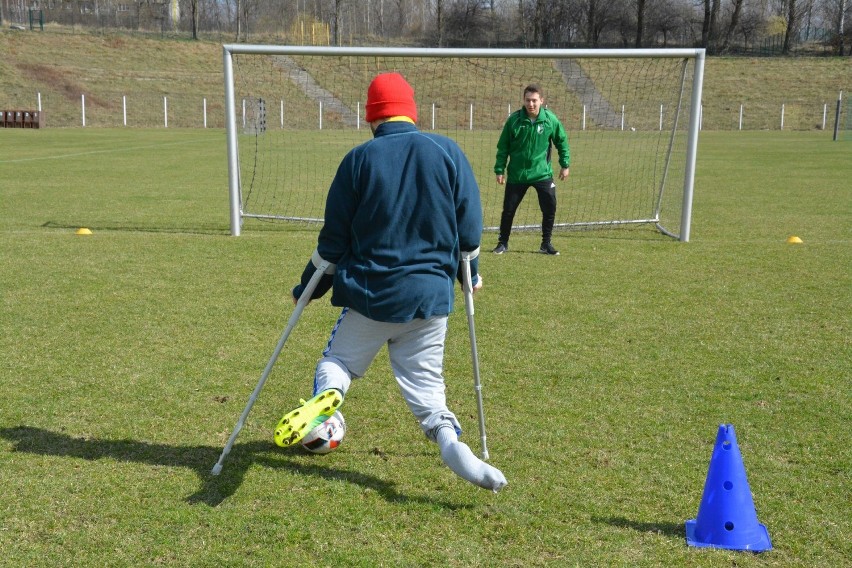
[(93, 152)]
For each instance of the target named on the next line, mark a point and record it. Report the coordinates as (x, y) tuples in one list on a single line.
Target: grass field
[(128, 355)]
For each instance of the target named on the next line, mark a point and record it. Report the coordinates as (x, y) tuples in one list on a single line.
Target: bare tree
[(667, 18), (794, 13), (400, 17), (640, 21), (539, 15), (709, 27), (214, 15), (564, 21), (792, 24), (380, 18), (338, 4), (244, 12), (238, 13), (625, 24), (733, 23), (439, 21), (522, 21), (466, 22), (671, 21), (836, 15), (193, 15), (751, 23), (598, 16)]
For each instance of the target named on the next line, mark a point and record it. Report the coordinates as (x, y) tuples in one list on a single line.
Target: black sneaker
[(500, 248), (547, 248)]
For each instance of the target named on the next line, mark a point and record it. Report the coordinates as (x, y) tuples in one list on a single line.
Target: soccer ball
[(327, 436)]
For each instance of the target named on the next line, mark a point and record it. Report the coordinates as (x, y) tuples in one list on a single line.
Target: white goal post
[(632, 117)]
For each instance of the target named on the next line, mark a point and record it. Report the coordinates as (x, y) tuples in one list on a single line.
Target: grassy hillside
[(103, 67), (63, 66)]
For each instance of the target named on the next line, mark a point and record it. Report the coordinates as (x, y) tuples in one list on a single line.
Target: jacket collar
[(395, 127)]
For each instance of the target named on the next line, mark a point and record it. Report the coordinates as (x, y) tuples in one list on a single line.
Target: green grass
[(128, 355)]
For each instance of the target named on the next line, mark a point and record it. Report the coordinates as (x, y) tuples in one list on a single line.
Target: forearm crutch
[(466, 257), (323, 267)]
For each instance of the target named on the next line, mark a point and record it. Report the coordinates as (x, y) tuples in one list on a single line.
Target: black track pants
[(512, 198)]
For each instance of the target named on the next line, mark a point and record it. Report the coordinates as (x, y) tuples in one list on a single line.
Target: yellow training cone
[(794, 240), (83, 231)]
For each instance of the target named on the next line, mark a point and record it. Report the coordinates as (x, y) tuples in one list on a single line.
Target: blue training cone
[(726, 517)]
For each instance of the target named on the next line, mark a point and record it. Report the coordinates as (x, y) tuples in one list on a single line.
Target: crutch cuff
[(318, 262), (470, 255), (470, 259)]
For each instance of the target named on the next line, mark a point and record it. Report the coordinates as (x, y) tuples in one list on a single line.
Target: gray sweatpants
[(416, 350)]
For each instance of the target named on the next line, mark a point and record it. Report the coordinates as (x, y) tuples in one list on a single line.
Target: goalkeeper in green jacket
[(526, 144)]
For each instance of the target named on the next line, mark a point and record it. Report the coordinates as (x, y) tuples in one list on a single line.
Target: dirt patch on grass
[(59, 80)]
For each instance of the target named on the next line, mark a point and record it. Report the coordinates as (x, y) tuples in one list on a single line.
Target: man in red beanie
[(388, 96), (400, 211)]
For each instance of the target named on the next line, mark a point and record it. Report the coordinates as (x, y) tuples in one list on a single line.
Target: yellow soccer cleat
[(310, 414)]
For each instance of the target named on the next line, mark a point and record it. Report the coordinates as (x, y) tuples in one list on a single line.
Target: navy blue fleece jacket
[(399, 211)]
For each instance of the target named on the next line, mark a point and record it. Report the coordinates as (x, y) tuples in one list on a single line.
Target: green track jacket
[(526, 146)]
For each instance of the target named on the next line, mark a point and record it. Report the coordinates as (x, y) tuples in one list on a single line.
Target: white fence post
[(782, 116), (661, 118), (584, 117), (433, 116), (471, 117), (622, 117), (824, 114), (165, 112), (205, 112), (83, 100), (320, 115), (741, 117), (39, 101)]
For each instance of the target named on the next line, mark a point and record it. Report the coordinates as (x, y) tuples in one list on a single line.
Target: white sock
[(459, 458)]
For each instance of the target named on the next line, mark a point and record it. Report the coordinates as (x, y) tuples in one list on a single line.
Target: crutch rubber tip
[(217, 469)]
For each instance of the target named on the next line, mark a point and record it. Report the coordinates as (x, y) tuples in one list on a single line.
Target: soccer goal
[(632, 117)]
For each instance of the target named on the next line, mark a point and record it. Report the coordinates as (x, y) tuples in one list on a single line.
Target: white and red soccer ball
[(327, 436)]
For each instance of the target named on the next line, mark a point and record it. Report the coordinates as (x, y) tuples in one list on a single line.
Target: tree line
[(720, 26)]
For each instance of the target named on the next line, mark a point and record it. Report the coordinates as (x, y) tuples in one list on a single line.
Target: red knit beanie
[(390, 95)]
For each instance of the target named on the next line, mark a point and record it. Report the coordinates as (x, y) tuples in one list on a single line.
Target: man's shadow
[(200, 459)]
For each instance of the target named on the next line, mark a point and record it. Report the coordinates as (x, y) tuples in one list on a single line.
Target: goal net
[(631, 118)]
